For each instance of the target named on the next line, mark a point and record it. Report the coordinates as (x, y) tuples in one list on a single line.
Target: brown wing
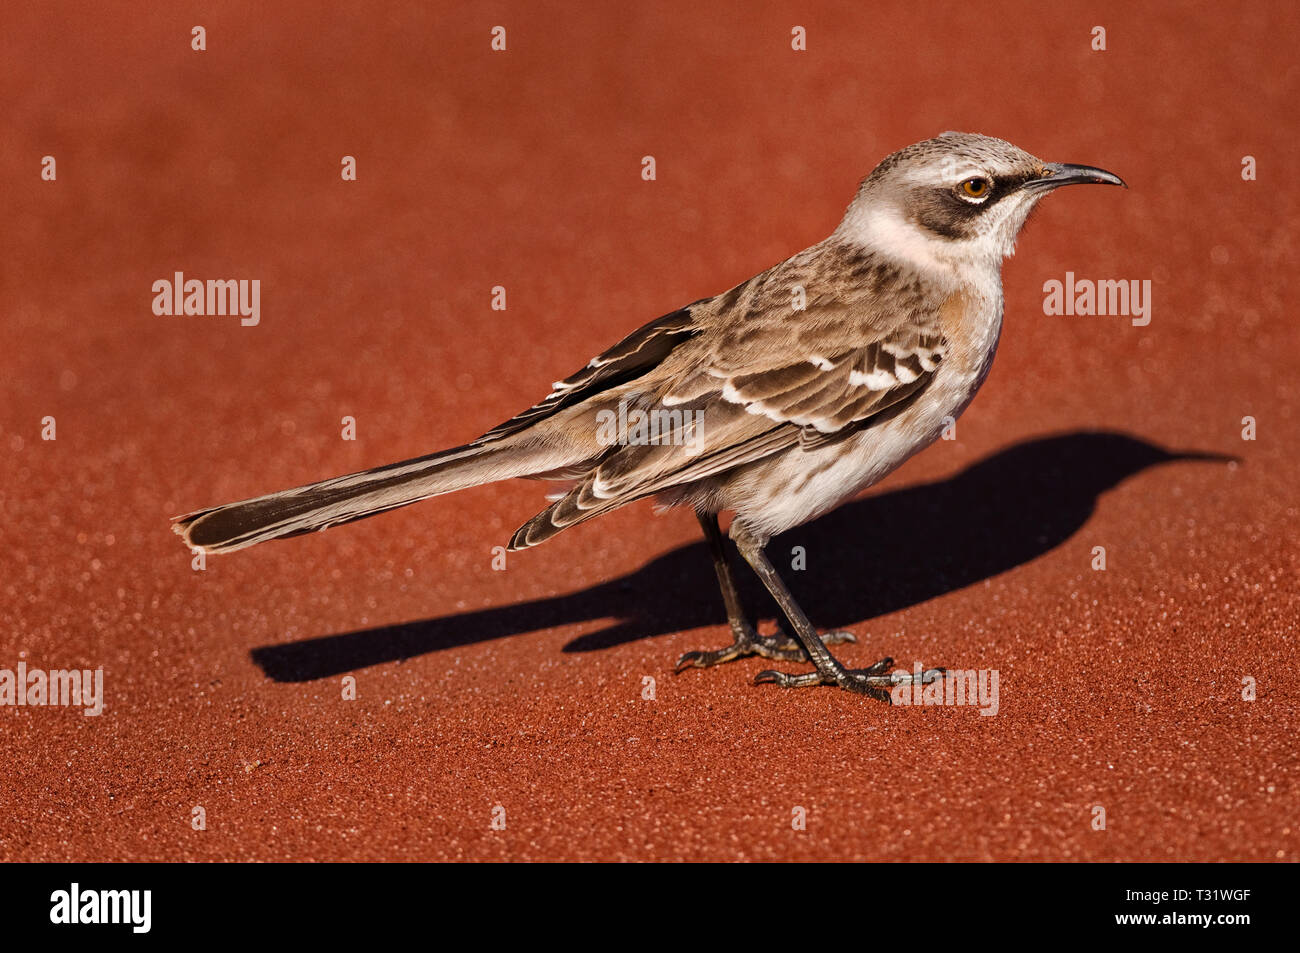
[(827, 394), (768, 378), (634, 356), (775, 381)]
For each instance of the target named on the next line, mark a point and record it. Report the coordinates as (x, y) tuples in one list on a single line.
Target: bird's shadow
[(865, 559)]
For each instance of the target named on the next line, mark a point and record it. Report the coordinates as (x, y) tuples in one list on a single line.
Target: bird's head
[(957, 199)]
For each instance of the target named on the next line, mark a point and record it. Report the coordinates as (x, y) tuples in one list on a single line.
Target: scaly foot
[(779, 647), (874, 681)]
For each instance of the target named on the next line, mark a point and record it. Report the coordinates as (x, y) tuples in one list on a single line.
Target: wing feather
[(635, 355), (766, 379)]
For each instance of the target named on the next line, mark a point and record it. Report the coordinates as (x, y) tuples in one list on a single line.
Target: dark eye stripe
[(949, 212), (998, 189)]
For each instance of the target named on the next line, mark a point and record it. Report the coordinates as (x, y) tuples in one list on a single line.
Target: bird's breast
[(971, 318)]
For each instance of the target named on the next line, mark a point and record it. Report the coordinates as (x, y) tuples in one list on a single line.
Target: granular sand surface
[(483, 692)]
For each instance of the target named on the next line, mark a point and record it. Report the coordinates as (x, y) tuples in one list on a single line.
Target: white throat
[(883, 228)]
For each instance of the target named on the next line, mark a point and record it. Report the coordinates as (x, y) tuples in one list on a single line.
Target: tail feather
[(317, 506)]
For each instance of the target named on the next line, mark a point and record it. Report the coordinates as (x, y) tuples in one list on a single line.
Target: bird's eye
[(976, 188)]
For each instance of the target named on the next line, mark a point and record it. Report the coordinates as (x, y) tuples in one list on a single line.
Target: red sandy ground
[(523, 688)]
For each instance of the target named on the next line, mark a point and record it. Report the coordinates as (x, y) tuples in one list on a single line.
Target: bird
[(774, 401)]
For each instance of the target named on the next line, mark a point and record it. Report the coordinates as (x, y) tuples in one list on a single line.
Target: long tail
[(317, 506)]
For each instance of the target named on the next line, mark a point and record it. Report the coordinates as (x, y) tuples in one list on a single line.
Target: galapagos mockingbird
[(776, 400)]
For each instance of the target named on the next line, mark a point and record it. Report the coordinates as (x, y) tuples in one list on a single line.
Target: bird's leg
[(744, 640), (874, 680)]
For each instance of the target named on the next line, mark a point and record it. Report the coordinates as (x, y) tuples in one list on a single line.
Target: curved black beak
[(1056, 174)]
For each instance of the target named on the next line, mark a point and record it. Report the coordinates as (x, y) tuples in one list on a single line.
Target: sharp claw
[(689, 660), (878, 668), (767, 677)]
